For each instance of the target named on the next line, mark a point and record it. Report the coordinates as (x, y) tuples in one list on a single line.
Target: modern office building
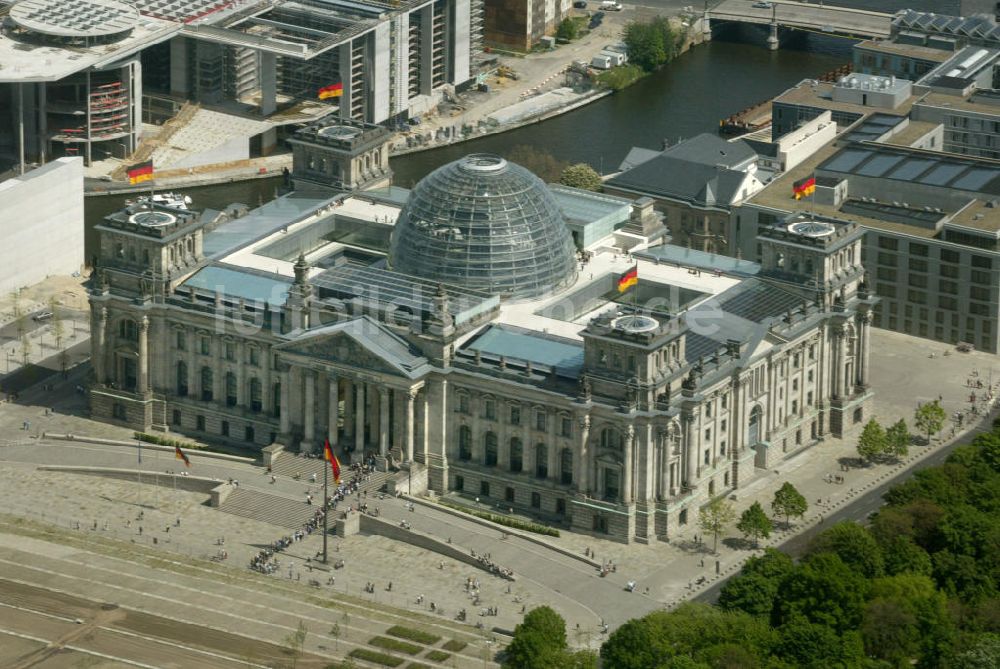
[(521, 24), (74, 75), (500, 363)]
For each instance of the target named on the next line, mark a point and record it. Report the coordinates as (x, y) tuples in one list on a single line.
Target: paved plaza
[(109, 512)]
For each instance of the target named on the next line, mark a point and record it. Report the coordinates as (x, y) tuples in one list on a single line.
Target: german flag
[(332, 459), (804, 187), (180, 455), (140, 172), (628, 279), (331, 91)]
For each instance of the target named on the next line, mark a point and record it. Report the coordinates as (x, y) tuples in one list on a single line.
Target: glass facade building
[(486, 224)]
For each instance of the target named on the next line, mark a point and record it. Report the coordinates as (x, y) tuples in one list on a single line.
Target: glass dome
[(486, 224)]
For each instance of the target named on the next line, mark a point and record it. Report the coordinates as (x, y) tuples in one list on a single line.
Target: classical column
[(284, 401), (143, 381), (348, 409), (865, 346), (241, 391), (582, 462), (98, 345), (688, 449), (663, 453), (333, 410), (309, 411), (627, 469), (838, 363), (411, 397), (425, 424), (359, 418), (383, 421)]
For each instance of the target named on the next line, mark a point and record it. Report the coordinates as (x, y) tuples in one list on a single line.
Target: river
[(686, 98)]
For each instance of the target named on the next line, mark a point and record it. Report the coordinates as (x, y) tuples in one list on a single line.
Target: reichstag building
[(472, 333)]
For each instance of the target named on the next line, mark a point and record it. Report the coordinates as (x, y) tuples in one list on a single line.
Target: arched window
[(464, 443), (128, 330), (541, 461), (612, 438), (206, 384), (566, 467), (490, 449), (230, 389), (256, 395), (182, 379), (516, 455)]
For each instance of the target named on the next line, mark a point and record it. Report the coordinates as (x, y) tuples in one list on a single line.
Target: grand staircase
[(266, 508)]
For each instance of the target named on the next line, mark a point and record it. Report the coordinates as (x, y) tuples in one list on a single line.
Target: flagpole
[(138, 470), (326, 505)]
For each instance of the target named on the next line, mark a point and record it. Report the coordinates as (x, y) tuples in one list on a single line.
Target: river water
[(688, 97)]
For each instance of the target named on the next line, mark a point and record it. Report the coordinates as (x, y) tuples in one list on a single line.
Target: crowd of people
[(493, 567)]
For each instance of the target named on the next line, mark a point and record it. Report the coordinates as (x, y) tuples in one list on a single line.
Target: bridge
[(803, 16)]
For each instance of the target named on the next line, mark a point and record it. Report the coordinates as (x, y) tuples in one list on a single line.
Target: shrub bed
[(395, 644), (419, 636), (384, 659), (437, 656), (454, 645), (505, 521)]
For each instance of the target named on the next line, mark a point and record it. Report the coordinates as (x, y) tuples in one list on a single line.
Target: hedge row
[(419, 636)]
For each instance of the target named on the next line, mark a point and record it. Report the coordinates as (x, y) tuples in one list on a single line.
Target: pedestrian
[(140, 530)]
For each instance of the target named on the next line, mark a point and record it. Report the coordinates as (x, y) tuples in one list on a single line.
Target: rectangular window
[(224, 430), (463, 403), (515, 415), (230, 351), (886, 290), (810, 376), (254, 357), (918, 280), (982, 262), (795, 384), (949, 271), (885, 274), (888, 243), (181, 340), (979, 293), (918, 249), (536, 500), (484, 488), (949, 287), (490, 410), (508, 494), (948, 255), (887, 259), (176, 417), (540, 421), (918, 265), (916, 296), (200, 423), (459, 483), (206, 345), (561, 506), (708, 456), (980, 276), (809, 398), (979, 309), (708, 434), (248, 434), (566, 429)]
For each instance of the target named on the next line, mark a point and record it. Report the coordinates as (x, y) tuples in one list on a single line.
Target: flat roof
[(241, 284), (978, 215), (913, 131), (80, 18), (966, 103), (687, 257), (819, 94), (261, 222), (909, 50), (26, 61), (564, 356)]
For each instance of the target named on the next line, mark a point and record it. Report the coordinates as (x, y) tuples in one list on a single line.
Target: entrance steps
[(266, 508)]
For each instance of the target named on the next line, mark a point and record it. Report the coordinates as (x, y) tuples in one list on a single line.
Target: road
[(807, 16), (858, 510)]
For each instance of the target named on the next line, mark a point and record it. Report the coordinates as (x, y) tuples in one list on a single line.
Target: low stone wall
[(187, 483), (374, 525), (201, 453)]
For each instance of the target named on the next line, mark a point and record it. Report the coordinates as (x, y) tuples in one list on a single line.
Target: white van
[(611, 6), (601, 62)]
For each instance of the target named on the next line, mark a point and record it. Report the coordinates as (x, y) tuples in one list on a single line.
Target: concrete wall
[(237, 148), (379, 72), (800, 144), (41, 222), (461, 27)]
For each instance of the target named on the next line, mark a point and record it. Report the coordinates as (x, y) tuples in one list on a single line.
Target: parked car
[(763, 5), (596, 20), (611, 6), (42, 316), (580, 4)]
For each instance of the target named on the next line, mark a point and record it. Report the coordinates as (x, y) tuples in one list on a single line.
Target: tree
[(788, 502), (824, 591), (539, 640), (546, 167), (897, 439), (983, 650), (872, 441), (581, 175), (753, 590), (929, 418), (295, 642), (755, 523), (568, 30), (644, 45), (714, 517), (812, 646), (854, 545)]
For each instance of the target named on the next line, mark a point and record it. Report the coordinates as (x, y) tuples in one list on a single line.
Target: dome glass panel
[(486, 224)]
